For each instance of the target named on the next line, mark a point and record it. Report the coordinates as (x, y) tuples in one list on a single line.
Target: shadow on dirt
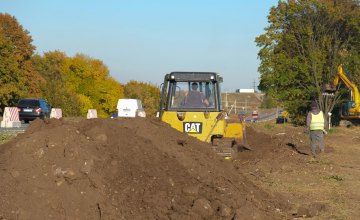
[(293, 147)]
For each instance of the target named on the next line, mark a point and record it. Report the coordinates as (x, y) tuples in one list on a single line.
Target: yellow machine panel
[(203, 125), (195, 123), (234, 130)]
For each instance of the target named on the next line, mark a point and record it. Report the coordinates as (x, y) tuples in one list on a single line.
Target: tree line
[(74, 84), (301, 48)]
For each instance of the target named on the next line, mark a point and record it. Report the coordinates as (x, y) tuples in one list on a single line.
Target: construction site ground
[(143, 169)]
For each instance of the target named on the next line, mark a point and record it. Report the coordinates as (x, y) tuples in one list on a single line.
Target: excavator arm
[(354, 90)]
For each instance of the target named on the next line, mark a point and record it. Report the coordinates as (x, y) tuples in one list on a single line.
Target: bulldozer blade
[(227, 147), (328, 94), (328, 89), (222, 147), (241, 147)]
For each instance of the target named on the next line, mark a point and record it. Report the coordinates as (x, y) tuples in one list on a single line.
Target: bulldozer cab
[(193, 95), (188, 91)]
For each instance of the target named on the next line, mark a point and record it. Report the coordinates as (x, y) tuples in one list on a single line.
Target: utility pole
[(245, 104), (235, 106), (226, 100)]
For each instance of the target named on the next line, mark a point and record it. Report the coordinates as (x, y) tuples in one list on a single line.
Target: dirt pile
[(122, 169)]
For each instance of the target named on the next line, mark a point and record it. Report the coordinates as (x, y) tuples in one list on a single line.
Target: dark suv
[(30, 109)]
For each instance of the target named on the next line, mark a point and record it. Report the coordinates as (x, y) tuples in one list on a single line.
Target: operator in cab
[(195, 98)]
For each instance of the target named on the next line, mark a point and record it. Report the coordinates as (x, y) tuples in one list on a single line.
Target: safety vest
[(317, 121)]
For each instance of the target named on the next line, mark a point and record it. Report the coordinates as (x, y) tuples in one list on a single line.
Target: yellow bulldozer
[(191, 103)]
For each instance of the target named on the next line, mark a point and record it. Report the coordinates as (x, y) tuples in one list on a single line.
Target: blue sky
[(145, 39)]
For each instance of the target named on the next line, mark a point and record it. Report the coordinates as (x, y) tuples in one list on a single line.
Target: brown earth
[(144, 169), (327, 187)]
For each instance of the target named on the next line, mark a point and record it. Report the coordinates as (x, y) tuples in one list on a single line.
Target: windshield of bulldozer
[(192, 95)]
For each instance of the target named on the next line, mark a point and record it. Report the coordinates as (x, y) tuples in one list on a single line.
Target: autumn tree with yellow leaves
[(78, 83), (74, 84), (147, 93)]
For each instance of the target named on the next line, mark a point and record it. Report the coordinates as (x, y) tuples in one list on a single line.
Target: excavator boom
[(349, 109), (354, 90)]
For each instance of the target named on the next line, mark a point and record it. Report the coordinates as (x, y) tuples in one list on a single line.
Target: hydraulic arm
[(349, 109)]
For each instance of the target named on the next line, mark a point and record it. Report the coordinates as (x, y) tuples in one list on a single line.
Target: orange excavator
[(350, 110)]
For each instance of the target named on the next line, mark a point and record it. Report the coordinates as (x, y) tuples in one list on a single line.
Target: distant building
[(245, 91)]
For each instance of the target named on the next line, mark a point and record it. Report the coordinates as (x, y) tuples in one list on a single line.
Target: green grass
[(336, 177), (269, 126), (6, 138), (332, 131), (326, 162)]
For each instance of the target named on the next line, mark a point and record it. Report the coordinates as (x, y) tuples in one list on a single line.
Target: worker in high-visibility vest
[(315, 124)]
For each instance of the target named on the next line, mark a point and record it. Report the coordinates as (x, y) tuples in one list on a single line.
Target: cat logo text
[(192, 127)]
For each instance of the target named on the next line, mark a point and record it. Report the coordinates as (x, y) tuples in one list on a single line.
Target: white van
[(130, 108)]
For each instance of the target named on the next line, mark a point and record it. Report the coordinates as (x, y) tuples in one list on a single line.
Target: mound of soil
[(123, 169)]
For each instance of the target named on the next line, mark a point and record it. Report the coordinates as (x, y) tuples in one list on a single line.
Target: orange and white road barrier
[(11, 118), (56, 113), (92, 113)]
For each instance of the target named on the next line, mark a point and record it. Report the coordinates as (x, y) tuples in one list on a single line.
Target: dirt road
[(143, 169)]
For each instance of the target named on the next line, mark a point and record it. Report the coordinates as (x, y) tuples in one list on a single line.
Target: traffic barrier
[(56, 113), (11, 118), (92, 113)]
